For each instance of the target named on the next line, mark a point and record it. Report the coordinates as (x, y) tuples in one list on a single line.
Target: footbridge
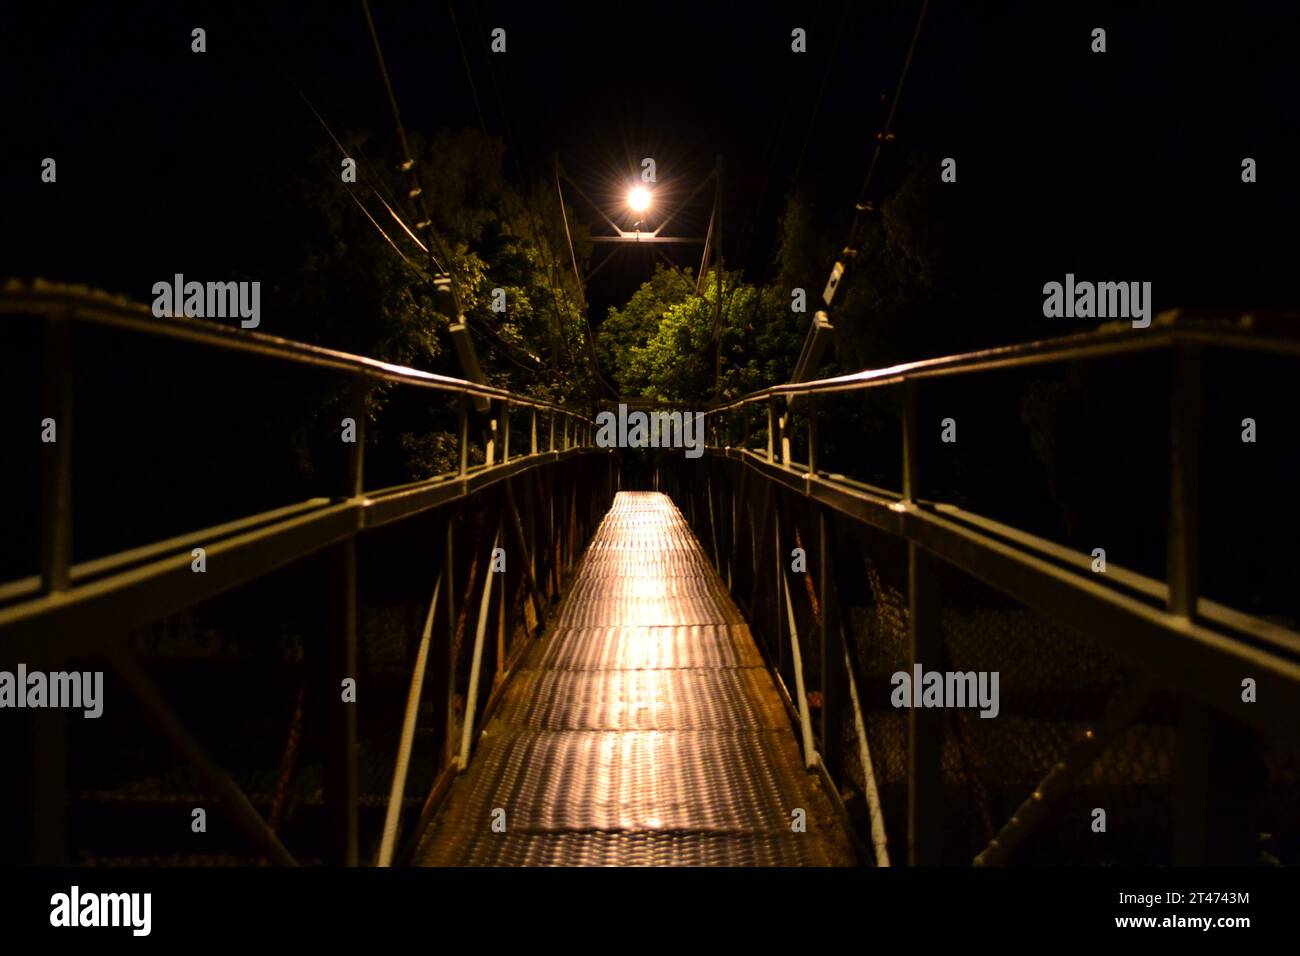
[(521, 656)]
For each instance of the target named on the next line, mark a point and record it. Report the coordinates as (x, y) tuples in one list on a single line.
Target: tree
[(351, 278), (628, 329), (660, 345)]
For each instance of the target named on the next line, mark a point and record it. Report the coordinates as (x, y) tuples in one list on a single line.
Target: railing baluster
[(503, 604), (525, 553), (396, 793), (810, 754), (779, 576), (839, 686), (476, 664), (713, 531), (449, 685), (832, 683)]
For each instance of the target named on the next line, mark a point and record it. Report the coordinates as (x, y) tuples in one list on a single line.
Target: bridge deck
[(644, 730)]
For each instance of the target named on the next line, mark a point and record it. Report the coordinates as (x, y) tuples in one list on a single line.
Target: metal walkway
[(644, 730)]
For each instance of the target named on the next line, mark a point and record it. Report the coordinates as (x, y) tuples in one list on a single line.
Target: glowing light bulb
[(638, 199)]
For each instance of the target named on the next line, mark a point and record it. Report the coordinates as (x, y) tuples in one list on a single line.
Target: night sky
[(1127, 163)]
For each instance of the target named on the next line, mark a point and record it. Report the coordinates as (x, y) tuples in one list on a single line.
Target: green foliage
[(660, 345), (625, 332), (345, 284), (502, 237)]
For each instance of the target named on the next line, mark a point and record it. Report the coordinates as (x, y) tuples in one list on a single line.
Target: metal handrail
[(1168, 329), (360, 507), (84, 304), (69, 609), (1198, 646)]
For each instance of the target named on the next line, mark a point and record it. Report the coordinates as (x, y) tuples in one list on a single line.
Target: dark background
[(1122, 166)]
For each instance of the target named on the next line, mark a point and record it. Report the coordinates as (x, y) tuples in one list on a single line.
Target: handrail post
[(833, 648), (1182, 563), (340, 664), (449, 658), (783, 419), (812, 436), (911, 441), (1207, 820), (771, 429), (925, 644), (463, 424), (532, 440), (340, 658), (505, 430), (48, 736), (56, 460), (354, 476)]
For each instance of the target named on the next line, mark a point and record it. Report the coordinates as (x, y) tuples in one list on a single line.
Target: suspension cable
[(863, 204), (409, 165)]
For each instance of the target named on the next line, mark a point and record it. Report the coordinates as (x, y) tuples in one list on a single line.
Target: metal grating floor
[(644, 730)]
